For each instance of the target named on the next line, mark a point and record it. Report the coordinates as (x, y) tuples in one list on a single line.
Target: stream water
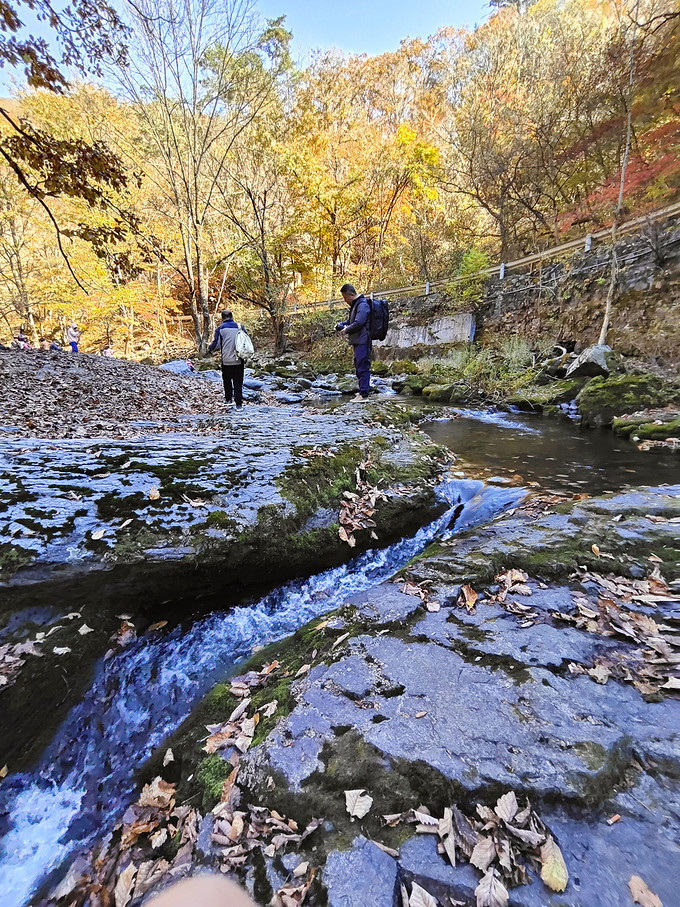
[(85, 778), (556, 455)]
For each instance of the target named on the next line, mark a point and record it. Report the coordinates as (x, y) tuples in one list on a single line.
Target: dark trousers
[(362, 365), (232, 375)]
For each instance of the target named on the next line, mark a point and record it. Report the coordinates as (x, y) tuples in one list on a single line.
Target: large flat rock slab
[(72, 506), (530, 729), (363, 874)]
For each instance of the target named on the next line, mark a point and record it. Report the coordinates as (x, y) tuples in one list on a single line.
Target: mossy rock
[(347, 385), (540, 396), (444, 393), (414, 384), (647, 429), (403, 367), (603, 399), (380, 368)]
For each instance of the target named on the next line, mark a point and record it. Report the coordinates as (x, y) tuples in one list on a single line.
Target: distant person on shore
[(107, 352), (56, 347), (357, 330), (232, 366), (73, 335), (44, 343), (21, 340)]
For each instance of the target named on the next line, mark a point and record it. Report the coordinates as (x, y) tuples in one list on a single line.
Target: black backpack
[(380, 319)]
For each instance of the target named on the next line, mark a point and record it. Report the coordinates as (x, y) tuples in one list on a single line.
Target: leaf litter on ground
[(650, 659), (358, 508)]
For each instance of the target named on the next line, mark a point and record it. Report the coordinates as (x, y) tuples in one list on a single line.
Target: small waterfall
[(142, 694)]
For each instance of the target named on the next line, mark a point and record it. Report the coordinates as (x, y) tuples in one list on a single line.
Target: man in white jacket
[(232, 365), (73, 337)]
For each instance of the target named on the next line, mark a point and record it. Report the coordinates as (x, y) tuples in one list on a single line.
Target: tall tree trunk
[(611, 292), (614, 271), (204, 300), (279, 329)]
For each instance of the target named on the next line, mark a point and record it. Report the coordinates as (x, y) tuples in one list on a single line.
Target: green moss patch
[(13, 558), (603, 399), (650, 426)]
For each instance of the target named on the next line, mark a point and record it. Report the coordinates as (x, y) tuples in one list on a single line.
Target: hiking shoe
[(358, 398)]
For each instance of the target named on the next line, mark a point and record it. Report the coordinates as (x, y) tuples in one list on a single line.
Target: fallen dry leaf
[(99, 534), (123, 890), (358, 803), (158, 838), (507, 806), (468, 597), (270, 709), (154, 493), (484, 853), (158, 793), (595, 550), (420, 897), (599, 673), (157, 626), (491, 892), (553, 869), (642, 894), (673, 683), (385, 849)]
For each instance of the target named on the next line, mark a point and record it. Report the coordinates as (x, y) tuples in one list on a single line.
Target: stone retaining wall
[(562, 299)]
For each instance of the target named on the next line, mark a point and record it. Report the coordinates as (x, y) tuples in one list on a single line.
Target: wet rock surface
[(491, 705), (415, 698), (73, 506), (365, 861), (171, 524)]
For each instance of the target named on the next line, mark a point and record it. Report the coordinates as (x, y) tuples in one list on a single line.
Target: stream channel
[(83, 781)]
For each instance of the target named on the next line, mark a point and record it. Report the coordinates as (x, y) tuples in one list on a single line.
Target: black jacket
[(358, 322)]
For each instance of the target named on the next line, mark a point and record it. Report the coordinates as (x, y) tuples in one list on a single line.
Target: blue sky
[(355, 26), (368, 26)]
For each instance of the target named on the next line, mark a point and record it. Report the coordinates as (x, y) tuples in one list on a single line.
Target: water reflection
[(559, 456)]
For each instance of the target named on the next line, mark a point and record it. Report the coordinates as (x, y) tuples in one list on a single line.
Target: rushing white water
[(142, 694), (496, 417)]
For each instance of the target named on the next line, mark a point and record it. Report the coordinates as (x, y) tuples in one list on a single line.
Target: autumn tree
[(87, 34), (200, 71)]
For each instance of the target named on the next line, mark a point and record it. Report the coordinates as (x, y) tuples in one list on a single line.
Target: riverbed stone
[(385, 603), (362, 875), (595, 360)]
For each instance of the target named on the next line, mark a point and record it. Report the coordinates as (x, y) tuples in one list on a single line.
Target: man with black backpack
[(358, 331)]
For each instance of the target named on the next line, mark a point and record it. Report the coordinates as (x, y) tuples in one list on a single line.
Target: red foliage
[(652, 179)]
